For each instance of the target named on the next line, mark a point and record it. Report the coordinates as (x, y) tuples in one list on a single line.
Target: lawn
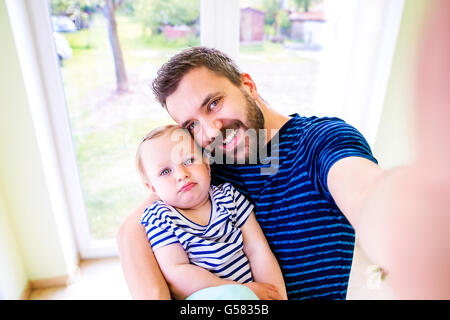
[(107, 127)]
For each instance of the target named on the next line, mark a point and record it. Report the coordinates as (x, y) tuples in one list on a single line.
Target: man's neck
[(273, 120)]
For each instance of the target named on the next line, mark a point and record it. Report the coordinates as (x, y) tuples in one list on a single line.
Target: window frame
[(40, 67)]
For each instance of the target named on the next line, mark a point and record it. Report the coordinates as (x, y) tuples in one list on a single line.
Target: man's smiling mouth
[(230, 136)]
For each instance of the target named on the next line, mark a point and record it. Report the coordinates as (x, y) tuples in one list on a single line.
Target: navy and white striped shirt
[(309, 235), (218, 246)]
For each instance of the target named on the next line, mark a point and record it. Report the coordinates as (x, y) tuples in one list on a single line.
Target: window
[(280, 47)]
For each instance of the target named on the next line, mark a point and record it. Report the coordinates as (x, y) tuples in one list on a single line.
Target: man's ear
[(249, 84)]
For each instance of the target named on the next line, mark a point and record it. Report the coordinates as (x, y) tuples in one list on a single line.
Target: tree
[(154, 13), (109, 8), (271, 8), (303, 4), (69, 7)]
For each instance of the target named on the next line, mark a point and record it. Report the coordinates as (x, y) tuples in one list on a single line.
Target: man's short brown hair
[(170, 74)]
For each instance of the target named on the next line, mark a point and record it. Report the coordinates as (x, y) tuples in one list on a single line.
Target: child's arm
[(263, 263), (182, 277)]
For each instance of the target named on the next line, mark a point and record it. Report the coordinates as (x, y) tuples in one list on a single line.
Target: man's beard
[(254, 137)]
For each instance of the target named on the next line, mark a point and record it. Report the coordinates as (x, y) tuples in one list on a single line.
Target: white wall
[(33, 242), (13, 278)]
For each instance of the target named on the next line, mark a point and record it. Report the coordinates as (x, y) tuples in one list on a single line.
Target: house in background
[(252, 25), (307, 27), (175, 32)]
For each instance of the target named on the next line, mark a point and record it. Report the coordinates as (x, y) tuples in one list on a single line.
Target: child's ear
[(206, 160), (149, 186)]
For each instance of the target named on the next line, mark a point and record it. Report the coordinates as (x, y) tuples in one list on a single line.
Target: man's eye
[(165, 172), (213, 104)]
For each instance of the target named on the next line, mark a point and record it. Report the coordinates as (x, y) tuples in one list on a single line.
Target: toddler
[(202, 235)]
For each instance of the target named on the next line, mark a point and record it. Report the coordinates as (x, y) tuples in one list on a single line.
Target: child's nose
[(182, 173)]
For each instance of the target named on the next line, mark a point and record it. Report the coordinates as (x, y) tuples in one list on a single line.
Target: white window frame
[(219, 25), (39, 65), (219, 28)]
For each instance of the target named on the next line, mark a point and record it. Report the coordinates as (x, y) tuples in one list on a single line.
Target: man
[(326, 184)]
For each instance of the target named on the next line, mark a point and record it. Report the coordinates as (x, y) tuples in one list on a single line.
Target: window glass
[(280, 46)]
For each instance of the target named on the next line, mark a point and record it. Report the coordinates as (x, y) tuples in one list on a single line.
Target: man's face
[(217, 113)]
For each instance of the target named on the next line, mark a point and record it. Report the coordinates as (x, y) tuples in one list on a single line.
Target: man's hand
[(264, 291)]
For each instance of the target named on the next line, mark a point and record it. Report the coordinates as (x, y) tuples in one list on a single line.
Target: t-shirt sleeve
[(327, 140), (243, 207), (158, 225)]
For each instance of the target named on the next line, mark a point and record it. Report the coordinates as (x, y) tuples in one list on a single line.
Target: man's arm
[(351, 181), (140, 268), (264, 265), (400, 220)]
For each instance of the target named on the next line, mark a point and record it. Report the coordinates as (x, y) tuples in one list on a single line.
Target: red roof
[(307, 16)]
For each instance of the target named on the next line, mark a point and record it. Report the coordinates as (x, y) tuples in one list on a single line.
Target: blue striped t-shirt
[(217, 246), (309, 235)]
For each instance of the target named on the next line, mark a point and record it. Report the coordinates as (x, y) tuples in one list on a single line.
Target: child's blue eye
[(192, 126), (165, 172), (189, 161)]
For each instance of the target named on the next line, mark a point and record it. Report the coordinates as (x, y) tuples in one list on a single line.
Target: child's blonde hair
[(155, 133)]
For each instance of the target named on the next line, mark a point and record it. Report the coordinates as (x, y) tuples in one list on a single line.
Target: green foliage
[(153, 13), (68, 7), (283, 20), (302, 5), (271, 8), (269, 30), (305, 5)]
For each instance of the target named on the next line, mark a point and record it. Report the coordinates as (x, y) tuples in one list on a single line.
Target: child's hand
[(264, 291)]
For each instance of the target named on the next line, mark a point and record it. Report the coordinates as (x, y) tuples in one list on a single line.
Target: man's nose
[(210, 131)]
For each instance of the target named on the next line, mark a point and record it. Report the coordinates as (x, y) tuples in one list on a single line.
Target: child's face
[(176, 170)]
